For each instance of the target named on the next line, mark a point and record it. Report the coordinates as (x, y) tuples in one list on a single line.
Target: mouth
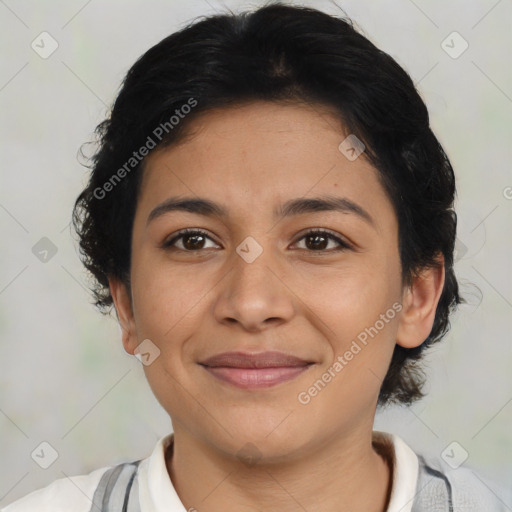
[(253, 371)]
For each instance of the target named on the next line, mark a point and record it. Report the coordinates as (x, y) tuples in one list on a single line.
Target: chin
[(258, 440)]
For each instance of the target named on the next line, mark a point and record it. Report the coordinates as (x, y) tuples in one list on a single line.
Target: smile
[(255, 378)]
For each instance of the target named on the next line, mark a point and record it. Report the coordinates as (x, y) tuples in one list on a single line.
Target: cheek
[(359, 320), (166, 297), (350, 295), (167, 311), (356, 310)]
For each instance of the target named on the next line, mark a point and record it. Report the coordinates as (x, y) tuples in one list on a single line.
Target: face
[(320, 281)]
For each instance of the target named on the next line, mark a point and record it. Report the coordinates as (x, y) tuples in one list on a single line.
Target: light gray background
[(64, 376)]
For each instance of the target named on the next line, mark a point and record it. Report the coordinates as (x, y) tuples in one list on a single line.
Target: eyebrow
[(208, 208)]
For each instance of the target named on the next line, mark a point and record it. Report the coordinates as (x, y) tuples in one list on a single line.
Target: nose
[(254, 295)]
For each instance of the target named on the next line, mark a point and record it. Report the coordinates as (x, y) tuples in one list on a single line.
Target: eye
[(189, 239), (318, 240), (315, 241)]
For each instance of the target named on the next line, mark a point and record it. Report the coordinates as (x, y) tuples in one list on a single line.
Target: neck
[(351, 474)]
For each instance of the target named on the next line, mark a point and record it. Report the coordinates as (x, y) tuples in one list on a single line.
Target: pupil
[(192, 246), (316, 238)]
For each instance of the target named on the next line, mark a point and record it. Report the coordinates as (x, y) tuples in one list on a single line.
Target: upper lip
[(271, 359)]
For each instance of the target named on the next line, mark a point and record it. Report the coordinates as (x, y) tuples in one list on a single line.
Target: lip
[(269, 359), (253, 371)]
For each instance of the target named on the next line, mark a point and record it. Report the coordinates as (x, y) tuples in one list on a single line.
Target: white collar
[(157, 493), (405, 475)]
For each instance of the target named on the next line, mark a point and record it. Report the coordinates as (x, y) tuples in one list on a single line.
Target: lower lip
[(255, 378)]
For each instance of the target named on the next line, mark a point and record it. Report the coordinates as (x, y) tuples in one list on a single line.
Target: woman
[(272, 218)]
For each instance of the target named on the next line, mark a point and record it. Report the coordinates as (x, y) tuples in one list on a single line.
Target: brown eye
[(316, 242), (193, 242), (319, 241), (188, 240)]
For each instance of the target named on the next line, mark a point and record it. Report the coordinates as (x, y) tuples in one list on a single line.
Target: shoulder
[(71, 493), (464, 488), (111, 488)]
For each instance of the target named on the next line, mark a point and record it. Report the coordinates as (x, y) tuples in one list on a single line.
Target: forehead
[(250, 155)]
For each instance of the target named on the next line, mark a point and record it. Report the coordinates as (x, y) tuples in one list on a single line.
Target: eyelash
[(327, 234)]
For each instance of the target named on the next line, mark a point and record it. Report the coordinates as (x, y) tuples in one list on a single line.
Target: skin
[(293, 297)]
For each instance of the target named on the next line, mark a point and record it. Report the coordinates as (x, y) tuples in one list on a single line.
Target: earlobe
[(124, 310), (420, 301)]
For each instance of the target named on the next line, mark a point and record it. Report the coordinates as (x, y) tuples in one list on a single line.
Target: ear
[(124, 310), (419, 303)]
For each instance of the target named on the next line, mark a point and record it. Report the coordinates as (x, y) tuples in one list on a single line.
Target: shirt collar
[(405, 474), (162, 495)]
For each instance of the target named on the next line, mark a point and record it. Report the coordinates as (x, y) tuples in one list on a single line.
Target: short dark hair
[(290, 54)]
